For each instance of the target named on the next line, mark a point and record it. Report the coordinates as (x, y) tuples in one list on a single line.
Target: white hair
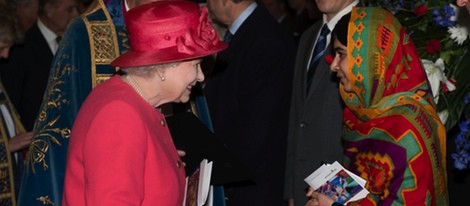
[(148, 71)]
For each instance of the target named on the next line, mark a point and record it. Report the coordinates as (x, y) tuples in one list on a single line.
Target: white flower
[(435, 73), (456, 9), (443, 115), (458, 33)]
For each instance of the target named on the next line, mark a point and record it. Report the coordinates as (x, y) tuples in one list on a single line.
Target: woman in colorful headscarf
[(393, 137)]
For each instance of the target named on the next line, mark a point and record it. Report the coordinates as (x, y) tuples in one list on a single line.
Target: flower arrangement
[(440, 32)]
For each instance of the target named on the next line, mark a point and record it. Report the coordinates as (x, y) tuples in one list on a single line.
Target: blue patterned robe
[(83, 60)]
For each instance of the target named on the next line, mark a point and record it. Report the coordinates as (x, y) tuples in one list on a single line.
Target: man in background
[(248, 95), (27, 12), (28, 68), (12, 134), (26, 71), (302, 19), (315, 120), (279, 10)]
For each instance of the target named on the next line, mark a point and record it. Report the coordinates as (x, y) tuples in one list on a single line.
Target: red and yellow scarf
[(393, 136)]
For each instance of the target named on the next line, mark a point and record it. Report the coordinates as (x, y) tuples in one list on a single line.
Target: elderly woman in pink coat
[(120, 150)]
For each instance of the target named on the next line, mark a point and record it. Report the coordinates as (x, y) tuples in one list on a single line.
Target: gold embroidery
[(125, 40), (100, 78), (102, 37), (54, 99), (103, 40), (104, 49), (7, 196), (45, 200), (104, 46), (55, 80), (39, 147)]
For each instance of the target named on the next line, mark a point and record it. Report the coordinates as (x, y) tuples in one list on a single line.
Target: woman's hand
[(20, 141), (318, 199)]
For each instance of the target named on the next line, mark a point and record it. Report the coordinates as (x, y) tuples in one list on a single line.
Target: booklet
[(198, 185), (338, 183)]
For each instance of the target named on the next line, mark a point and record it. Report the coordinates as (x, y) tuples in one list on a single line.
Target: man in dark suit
[(302, 17), (315, 120), (27, 71), (27, 12), (278, 9), (248, 96)]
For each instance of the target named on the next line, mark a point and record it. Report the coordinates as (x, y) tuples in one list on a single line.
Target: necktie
[(318, 52), (228, 36), (57, 39)]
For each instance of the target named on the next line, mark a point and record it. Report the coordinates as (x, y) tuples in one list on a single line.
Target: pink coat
[(121, 152)]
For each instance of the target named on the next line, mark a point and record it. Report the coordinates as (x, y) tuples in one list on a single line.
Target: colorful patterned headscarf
[(393, 137)]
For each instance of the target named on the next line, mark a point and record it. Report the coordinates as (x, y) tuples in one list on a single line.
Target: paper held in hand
[(338, 183), (198, 184)]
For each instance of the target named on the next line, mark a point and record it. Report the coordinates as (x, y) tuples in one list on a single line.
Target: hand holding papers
[(338, 183), (197, 185)]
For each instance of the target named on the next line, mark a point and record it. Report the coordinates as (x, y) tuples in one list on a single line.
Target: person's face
[(60, 14), (464, 3), (28, 14), (218, 11), (182, 78), (4, 49), (274, 8), (296, 4), (332, 7), (340, 65)]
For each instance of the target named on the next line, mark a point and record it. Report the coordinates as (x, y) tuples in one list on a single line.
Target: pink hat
[(168, 31)]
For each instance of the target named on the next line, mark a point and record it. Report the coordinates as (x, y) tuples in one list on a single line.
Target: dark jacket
[(248, 97)]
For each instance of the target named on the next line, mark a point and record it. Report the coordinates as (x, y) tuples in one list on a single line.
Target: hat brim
[(134, 58)]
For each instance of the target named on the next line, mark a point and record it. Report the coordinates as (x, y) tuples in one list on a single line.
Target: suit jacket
[(30, 70), (248, 97), (315, 120)]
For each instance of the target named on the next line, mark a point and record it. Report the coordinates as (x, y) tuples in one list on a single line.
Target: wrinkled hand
[(318, 199), (20, 141), (181, 153)]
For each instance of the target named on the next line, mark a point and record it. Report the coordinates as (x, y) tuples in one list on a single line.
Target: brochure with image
[(338, 183)]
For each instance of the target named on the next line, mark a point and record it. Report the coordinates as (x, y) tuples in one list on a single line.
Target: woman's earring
[(162, 78)]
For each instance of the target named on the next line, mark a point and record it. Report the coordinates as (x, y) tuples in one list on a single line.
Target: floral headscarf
[(393, 77), (390, 116)]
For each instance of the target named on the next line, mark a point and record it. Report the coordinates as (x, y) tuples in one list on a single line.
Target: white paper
[(337, 182), (204, 181)]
